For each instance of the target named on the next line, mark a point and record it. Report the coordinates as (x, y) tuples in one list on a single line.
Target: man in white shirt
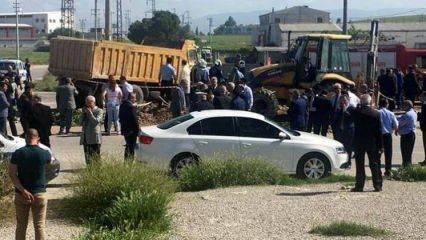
[(127, 88), (185, 80), (112, 96)]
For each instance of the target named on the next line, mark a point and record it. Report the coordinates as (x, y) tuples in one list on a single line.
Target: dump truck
[(89, 63), (316, 59)]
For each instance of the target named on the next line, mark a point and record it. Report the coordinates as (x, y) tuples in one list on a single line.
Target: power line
[(82, 26), (119, 26), (95, 13)]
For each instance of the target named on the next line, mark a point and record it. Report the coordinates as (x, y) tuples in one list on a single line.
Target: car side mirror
[(283, 136)]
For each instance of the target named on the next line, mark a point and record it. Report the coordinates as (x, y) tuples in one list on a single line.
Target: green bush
[(6, 186), (410, 174), (348, 229), (121, 199), (119, 235), (47, 84), (217, 173)]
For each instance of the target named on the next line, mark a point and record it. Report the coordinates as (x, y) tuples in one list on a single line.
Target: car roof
[(10, 60), (226, 113)]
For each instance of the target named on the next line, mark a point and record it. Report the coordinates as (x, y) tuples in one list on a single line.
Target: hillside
[(400, 19)]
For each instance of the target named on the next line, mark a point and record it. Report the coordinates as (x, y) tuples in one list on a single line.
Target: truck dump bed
[(87, 59)]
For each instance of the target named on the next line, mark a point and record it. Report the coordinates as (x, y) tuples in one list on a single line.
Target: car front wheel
[(313, 166)]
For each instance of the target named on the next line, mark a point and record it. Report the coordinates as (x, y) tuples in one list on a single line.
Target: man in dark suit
[(297, 112), (367, 139), (41, 119), (323, 112), (129, 125), (222, 101)]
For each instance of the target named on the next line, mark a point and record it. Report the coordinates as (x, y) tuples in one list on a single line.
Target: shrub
[(6, 186), (347, 229), (47, 84), (410, 174), (118, 235), (99, 185), (122, 200), (217, 173)]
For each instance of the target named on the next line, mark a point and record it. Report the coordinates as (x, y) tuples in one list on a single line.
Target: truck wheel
[(139, 94), (265, 102)]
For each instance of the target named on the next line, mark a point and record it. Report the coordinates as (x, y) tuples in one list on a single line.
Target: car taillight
[(145, 139)]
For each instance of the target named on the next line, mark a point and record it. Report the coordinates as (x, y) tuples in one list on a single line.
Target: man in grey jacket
[(66, 103), (4, 108), (91, 137)]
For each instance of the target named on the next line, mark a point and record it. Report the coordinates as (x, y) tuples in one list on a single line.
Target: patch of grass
[(217, 173), (6, 194), (224, 43), (348, 229), (36, 58), (47, 84), (410, 174), (118, 200), (6, 186)]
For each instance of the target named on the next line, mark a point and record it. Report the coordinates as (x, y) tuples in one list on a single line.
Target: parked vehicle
[(9, 144), (17, 65), (90, 63), (203, 135)]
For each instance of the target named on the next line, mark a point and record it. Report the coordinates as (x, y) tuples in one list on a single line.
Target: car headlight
[(340, 150)]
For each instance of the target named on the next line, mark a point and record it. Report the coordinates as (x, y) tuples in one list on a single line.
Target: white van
[(17, 65)]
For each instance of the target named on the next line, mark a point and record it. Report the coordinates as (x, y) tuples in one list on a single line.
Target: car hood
[(320, 140)]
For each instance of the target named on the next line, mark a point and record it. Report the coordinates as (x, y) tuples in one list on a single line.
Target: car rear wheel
[(181, 161), (313, 166)]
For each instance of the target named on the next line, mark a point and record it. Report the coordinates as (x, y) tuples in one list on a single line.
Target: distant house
[(410, 34), (275, 26), (27, 35)]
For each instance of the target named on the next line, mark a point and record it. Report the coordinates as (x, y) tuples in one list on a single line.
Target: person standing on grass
[(28, 68), (65, 101), (367, 139), (91, 137), (422, 120), (27, 169), (41, 120), (129, 127), (407, 129), (389, 125), (4, 108), (112, 96)]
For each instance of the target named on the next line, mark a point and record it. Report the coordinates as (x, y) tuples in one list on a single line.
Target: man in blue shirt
[(389, 124), (167, 77), (407, 128)]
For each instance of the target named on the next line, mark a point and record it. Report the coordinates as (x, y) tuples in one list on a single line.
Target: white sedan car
[(203, 135), (9, 144)]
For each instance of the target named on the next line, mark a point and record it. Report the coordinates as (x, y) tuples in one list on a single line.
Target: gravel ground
[(277, 212)]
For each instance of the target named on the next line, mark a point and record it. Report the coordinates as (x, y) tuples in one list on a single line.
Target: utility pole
[(17, 9), (82, 26), (153, 8), (107, 20), (67, 16), (345, 16), (119, 26), (210, 28), (128, 19), (95, 14)]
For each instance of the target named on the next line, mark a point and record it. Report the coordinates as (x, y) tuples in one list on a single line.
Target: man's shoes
[(423, 163), (357, 190), (346, 165), (61, 132), (378, 189)]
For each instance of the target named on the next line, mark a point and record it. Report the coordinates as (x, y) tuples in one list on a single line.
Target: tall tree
[(227, 27), (162, 29), (230, 22)]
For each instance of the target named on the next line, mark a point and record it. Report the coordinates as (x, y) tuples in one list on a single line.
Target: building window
[(319, 20), (50, 20), (36, 20), (54, 21), (50, 30), (42, 20), (43, 31), (277, 20)]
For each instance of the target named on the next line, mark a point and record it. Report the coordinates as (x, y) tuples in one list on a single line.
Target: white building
[(43, 22), (410, 34), (299, 20)]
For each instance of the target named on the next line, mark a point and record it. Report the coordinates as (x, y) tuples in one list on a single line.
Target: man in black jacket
[(410, 85), (41, 119), (322, 114), (367, 139), (129, 125)]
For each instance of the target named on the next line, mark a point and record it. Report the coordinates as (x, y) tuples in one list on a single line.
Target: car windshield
[(174, 122)]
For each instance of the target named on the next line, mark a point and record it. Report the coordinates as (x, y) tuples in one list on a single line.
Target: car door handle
[(203, 142), (246, 145)]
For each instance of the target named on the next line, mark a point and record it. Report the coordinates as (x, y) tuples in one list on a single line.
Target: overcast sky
[(199, 8)]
